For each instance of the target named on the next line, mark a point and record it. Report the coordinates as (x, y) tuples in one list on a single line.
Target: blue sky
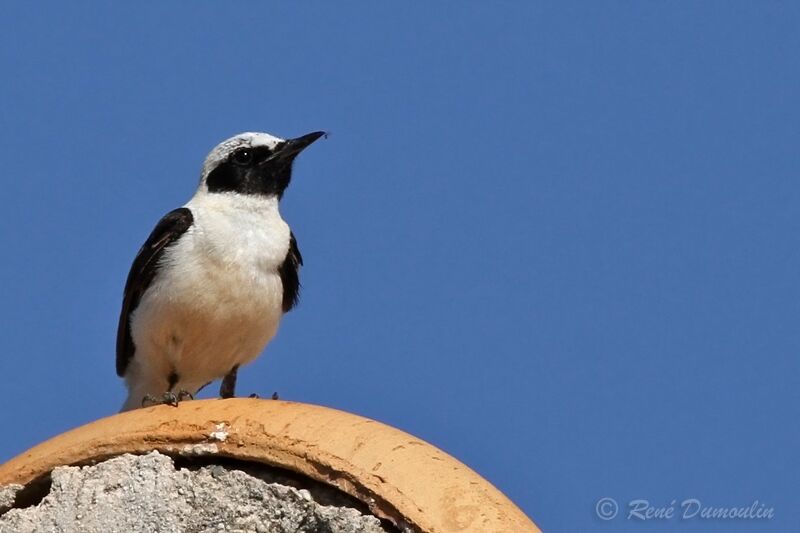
[(560, 241)]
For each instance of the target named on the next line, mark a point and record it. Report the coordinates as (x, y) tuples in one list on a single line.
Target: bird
[(208, 288)]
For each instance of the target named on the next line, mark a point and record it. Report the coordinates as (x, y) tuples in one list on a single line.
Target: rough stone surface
[(7, 496), (147, 493)]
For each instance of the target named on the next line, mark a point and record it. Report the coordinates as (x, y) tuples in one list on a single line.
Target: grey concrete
[(148, 494), (7, 495)]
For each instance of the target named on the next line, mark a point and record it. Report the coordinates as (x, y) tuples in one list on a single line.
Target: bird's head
[(253, 163)]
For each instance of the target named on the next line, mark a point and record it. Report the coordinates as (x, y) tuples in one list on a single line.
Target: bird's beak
[(289, 149)]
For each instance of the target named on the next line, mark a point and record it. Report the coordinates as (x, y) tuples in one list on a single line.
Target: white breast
[(217, 298)]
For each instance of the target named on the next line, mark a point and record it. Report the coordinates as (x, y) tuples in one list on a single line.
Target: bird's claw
[(256, 396), (168, 398), (148, 400)]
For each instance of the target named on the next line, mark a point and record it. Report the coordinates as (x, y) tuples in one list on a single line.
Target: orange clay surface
[(399, 476)]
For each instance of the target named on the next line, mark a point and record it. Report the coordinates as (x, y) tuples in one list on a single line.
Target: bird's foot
[(168, 398)]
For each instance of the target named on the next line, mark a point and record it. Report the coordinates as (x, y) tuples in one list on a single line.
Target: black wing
[(290, 275), (173, 225)]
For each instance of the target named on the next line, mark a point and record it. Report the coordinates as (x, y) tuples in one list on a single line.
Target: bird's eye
[(242, 157)]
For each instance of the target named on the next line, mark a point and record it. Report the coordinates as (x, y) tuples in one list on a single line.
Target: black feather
[(290, 275), (144, 268)]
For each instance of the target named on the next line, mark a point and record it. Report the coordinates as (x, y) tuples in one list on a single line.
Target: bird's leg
[(228, 387)]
